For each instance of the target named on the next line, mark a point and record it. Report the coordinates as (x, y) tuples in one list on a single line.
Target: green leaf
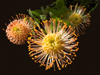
[(93, 8), (43, 17), (25, 18), (59, 4), (51, 14), (63, 11), (53, 4), (53, 11), (45, 31), (67, 22), (51, 25), (30, 13), (37, 22), (42, 8), (33, 32), (35, 13), (39, 11)]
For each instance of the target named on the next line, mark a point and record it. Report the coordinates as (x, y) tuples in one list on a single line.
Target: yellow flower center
[(15, 29), (17, 32), (75, 19), (52, 43)]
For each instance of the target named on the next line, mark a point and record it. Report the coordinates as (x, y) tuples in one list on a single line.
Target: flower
[(78, 19), (18, 30), (54, 42)]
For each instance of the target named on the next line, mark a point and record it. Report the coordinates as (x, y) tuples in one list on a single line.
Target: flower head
[(18, 30), (53, 43), (78, 19)]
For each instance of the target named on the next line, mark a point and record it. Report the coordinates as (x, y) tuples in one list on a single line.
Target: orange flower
[(54, 43), (78, 19), (18, 30)]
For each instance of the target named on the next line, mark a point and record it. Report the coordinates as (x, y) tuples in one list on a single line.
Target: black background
[(14, 60)]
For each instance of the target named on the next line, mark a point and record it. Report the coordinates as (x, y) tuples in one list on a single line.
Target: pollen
[(51, 43), (15, 29), (75, 19)]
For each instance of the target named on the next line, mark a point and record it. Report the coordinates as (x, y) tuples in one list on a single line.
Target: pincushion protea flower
[(18, 30), (78, 19), (55, 45)]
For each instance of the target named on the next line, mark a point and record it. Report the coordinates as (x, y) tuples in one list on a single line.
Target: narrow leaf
[(63, 11), (42, 8), (43, 17), (59, 4), (93, 8), (39, 11), (53, 11), (30, 13), (35, 13)]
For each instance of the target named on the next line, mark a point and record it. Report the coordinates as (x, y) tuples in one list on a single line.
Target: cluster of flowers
[(52, 41)]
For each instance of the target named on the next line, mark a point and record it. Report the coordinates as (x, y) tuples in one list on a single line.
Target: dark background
[(14, 60)]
